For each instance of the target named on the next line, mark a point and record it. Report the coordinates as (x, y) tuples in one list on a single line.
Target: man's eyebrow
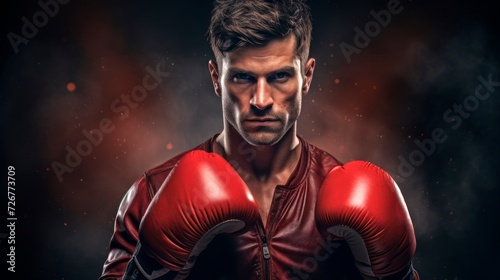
[(234, 71), (287, 69)]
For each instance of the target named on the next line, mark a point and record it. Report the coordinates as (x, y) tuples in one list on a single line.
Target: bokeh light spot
[(71, 86)]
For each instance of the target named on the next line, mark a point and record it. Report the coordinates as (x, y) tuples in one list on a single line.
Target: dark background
[(395, 91)]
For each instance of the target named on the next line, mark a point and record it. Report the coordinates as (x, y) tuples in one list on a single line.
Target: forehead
[(275, 54)]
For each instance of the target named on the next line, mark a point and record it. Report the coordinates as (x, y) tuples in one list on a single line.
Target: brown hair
[(239, 23)]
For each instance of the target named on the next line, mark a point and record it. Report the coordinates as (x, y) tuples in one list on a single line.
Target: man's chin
[(262, 138)]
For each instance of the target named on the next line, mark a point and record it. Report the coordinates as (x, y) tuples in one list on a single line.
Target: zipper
[(265, 248), (264, 234), (266, 254)]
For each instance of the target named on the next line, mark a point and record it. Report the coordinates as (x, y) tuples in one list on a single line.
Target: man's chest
[(290, 246), (263, 194)]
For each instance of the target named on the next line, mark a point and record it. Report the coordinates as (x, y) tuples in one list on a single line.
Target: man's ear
[(308, 75), (214, 74)]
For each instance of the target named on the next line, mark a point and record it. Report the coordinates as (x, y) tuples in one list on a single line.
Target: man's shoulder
[(321, 161), (156, 175)]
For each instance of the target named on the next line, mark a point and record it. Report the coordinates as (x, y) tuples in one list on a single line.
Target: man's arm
[(202, 197), (125, 235)]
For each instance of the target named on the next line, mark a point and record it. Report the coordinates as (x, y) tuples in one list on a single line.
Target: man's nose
[(262, 97)]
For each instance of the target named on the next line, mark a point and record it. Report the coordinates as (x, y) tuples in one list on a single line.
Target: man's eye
[(281, 76), (241, 77)]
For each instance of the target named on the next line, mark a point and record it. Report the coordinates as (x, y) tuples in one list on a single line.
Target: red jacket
[(296, 249)]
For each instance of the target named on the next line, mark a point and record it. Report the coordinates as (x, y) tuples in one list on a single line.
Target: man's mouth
[(267, 119), (256, 122)]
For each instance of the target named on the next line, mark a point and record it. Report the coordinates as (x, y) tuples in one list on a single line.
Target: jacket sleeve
[(125, 235)]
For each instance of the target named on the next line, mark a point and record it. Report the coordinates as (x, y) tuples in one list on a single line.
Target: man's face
[(261, 88)]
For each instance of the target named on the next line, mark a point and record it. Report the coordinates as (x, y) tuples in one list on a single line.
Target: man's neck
[(266, 164)]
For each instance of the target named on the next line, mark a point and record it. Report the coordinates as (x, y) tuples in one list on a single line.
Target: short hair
[(239, 23)]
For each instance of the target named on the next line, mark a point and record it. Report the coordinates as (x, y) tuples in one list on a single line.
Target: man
[(256, 201)]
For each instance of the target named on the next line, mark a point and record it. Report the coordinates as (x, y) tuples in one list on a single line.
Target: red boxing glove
[(202, 197), (362, 204)]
